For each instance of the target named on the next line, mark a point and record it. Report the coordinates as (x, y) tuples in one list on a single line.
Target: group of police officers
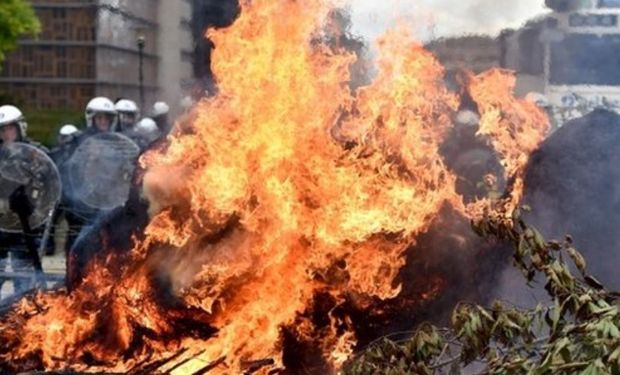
[(76, 161)]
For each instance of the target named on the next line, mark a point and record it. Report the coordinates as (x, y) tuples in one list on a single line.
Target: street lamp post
[(141, 42)]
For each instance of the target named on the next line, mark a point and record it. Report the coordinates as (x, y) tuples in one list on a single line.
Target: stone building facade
[(89, 48)]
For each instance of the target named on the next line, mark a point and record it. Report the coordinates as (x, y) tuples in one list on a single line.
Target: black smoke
[(573, 187), (207, 14)]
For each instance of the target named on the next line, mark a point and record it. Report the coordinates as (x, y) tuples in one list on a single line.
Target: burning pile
[(285, 191)]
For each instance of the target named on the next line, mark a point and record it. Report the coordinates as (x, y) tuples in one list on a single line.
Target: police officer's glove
[(19, 202)]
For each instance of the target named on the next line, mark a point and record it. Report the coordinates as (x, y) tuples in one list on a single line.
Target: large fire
[(284, 187)]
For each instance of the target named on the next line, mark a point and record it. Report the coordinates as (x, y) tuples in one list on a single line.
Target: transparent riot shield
[(99, 172), (24, 165)]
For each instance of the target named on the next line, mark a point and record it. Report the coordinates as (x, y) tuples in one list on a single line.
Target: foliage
[(17, 18), (577, 334), (43, 125)]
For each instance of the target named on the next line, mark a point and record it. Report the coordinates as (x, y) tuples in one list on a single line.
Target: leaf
[(554, 316), (554, 245), (539, 240), (590, 370), (614, 357), (485, 313), (593, 283), (614, 333), (595, 368), (509, 323), (578, 259), (516, 214), (521, 248)]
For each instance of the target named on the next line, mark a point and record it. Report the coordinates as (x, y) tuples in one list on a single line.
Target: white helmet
[(128, 113), (67, 130), (467, 118), (186, 102), (67, 133), (12, 115), (538, 99), (100, 105), (146, 123), (127, 106), (160, 108), (147, 129)]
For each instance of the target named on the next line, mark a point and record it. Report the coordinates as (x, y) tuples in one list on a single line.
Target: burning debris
[(288, 218)]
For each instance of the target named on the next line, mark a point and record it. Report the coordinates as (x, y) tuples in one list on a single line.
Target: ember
[(286, 207)]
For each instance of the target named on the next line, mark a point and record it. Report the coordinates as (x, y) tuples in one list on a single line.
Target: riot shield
[(24, 165), (100, 170)]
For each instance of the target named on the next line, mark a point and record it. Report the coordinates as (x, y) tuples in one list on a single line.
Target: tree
[(578, 333), (17, 18)]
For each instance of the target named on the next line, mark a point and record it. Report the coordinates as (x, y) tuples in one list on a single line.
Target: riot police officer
[(67, 139), (128, 115), (67, 134), (101, 117), (160, 114), (13, 125), (18, 247), (145, 133), (98, 173)]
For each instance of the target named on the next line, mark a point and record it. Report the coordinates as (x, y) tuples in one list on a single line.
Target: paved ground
[(54, 264)]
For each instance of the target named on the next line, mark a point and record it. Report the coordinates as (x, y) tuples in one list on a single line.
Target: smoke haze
[(442, 18)]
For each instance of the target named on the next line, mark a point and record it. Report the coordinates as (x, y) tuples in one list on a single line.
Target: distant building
[(89, 48), (176, 51), (518, 50), (523, 52), (474, 53)]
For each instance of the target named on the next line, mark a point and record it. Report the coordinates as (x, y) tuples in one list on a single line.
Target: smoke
[(571, 186), (442, 18), (206, 14), (338, 35)]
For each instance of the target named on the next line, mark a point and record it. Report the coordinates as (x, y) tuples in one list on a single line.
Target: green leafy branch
[(17, 18), (577, 333)]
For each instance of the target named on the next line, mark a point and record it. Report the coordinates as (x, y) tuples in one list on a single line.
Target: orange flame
[(286, 184), (515, 127)]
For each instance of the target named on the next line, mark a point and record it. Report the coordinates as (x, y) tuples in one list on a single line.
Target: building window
[(62, 69), (59, 13), (609, 4)]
